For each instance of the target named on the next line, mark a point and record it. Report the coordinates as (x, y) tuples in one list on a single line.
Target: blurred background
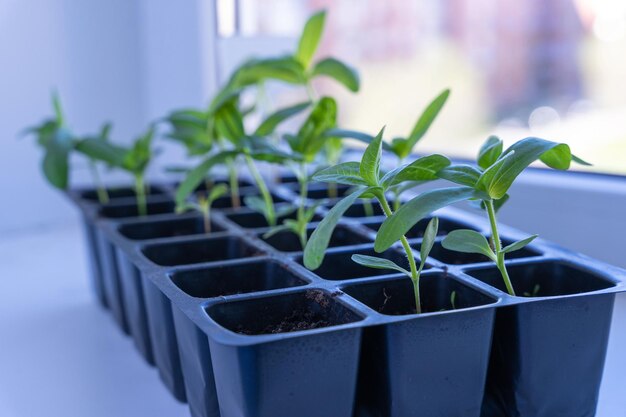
[(549, 68)]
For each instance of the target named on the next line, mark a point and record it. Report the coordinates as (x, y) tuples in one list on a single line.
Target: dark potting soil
[(301, 318)]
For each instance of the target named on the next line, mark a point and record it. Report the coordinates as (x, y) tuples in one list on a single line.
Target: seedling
[(487, 183), (372, 183), (399, 146), (59, 142), (134, 160), (229, 124), (204, 204), (305, 147)]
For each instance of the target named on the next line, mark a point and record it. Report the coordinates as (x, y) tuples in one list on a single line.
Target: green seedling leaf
[(55, 163), (309, 213), (453, 300), (216, 192), (425, 121), (378, 263), (58, 109), (353, 134), (318, 243), (519, 156), (428, 240), (580, 162), (101, 150), (229, 123), (261, 150), (339, 71), (489, 152), (286, 69), (468, 241), (311, 136), (345, 173), (421, 170), (396, 226), (255, 203), (370, 162), (270, 124), (519, 244), (487, 177), (310, 38), (198, 174), (282, 211), (461, 174), (277, 229)]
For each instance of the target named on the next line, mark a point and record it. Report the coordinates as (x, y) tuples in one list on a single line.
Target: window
[(551, 68)]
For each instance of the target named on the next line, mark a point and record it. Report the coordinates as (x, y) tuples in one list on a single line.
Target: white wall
[(126, 61)]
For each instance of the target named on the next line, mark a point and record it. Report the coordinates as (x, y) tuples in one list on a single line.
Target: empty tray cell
[(118, 211), (305, 310), (361, 209), (289, 242), (121, 192), (460, 258), (236, 279), (439, 292), (166, 228), (321, 192), (252, 220), (544, 279), (199, 251), (339, 266), (417, 231)]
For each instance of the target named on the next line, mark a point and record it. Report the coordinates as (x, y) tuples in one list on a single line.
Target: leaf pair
[(369, 180), (311, 136), (470, 241), (368, 172), (497, 170), (402, 147), (298, 68), (229, 124), (57, 141)]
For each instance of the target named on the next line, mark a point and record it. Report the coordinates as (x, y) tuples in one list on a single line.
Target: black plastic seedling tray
[(199, 307)]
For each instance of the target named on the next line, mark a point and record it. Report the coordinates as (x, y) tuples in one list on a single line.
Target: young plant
[(299, 68), (229, 124), (402, 147), (98, 149), (487, 183), (134, 160), (196, 130), (204, 204), (305, 147), (372, 183)]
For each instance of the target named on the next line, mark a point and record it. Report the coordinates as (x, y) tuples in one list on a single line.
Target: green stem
[(497, 246), (332, 190), (103, 195), (140, 191), (415, 272), (206, 211), (396, 200), (304, 190), (233, 181), (368, 209), (270, 214)]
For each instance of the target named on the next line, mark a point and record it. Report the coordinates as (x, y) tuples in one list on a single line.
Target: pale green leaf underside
[(468, 241), (378, 263)]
